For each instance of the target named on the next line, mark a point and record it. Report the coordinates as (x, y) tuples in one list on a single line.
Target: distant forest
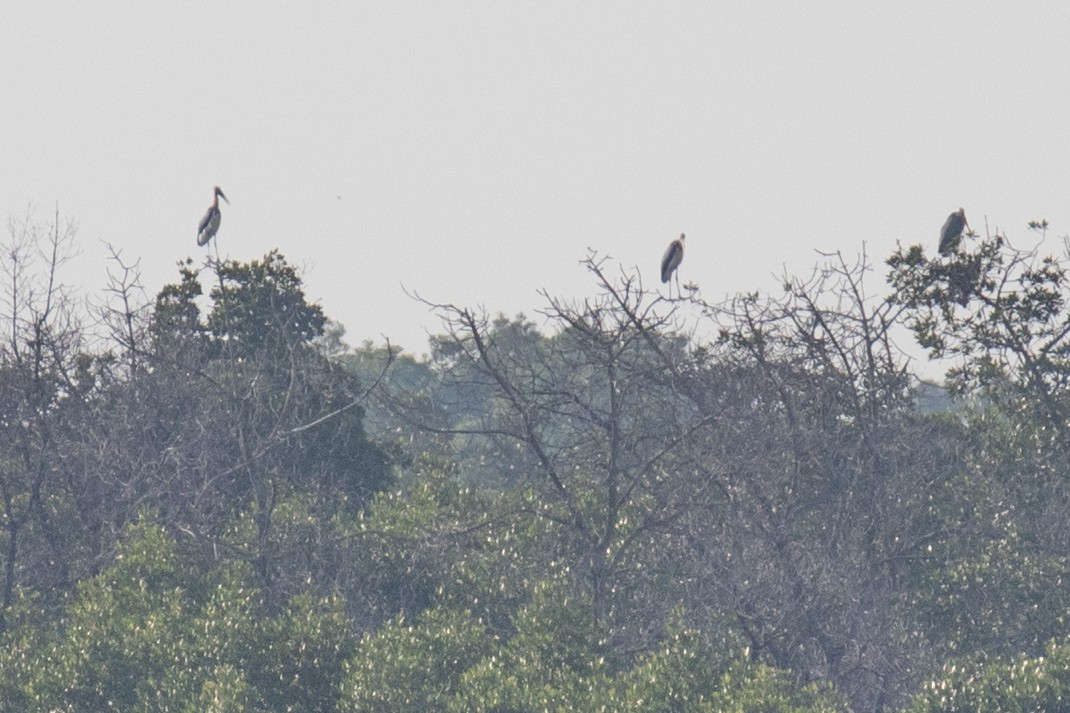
[(209, 501)]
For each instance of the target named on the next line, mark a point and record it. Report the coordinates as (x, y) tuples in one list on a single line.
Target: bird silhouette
[(674, 255), (210, 222), (951, 233)]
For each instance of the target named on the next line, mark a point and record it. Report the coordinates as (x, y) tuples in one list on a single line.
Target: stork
[(951, 233), (210, 222), (674, 254)]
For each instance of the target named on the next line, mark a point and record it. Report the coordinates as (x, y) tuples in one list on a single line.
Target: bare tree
[(39, 383), (586, 421), (125, 311), (831, 480)]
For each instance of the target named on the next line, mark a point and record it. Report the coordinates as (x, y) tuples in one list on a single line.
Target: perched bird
[(674, 254), (210, 222), (951, 233)]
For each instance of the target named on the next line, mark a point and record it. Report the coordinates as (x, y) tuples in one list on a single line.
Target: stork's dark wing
[(209, 224), (671, 260)]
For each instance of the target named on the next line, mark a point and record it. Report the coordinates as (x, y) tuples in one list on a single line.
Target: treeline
[(211, 503)]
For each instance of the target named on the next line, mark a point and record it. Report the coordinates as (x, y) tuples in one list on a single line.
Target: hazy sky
[(473, 151)]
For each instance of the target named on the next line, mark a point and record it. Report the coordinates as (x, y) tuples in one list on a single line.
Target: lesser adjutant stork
[(674, 254), (210, 222), (951, 233)]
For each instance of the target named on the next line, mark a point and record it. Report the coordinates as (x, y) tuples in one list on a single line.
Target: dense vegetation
[(209, 502)]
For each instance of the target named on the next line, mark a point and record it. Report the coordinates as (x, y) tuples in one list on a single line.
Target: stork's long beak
[(224, 197)]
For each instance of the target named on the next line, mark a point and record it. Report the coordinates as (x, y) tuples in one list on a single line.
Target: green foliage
[(124, 629), (438, 542), (176, 320), (747, 687), (301, 660), (418, 668), (687, 674), (447, 661), (679, 676), (1002, 312), (1018, 683), (260, 307), (552, 663), (122, 643), (22, 644), (153, 632), (225, 690), (1005, 598)]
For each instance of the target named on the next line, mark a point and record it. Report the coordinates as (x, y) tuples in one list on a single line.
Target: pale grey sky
[(473, 151)]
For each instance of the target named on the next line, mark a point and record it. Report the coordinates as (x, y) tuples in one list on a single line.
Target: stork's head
[(219, 192), (681, 236), (962, 214)]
